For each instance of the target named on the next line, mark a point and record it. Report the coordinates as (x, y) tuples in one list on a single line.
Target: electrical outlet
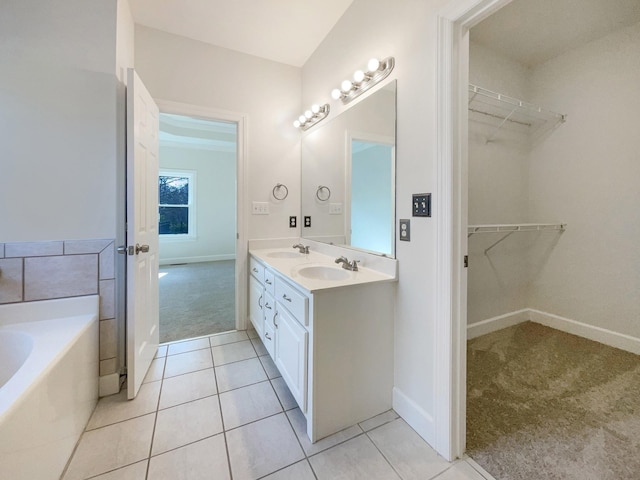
[(405, 230), (260, 208), (307, 221), (421, 205), (335, 209), (293, 221)]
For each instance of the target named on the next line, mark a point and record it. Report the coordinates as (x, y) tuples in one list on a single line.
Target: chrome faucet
[(347, 265), (301, 248)]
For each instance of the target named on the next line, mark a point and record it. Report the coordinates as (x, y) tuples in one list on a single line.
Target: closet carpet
[(543, 404), (196, 299)]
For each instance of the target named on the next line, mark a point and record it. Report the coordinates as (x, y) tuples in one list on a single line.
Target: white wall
[(57, 121), (182, 70), (498, 282), (215, 203), (407, 31), (586, 174)]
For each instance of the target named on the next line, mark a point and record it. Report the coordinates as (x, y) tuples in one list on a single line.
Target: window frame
[(191, 204)]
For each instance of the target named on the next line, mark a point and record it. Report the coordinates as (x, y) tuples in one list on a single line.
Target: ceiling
[(285, 31), (534, 31)]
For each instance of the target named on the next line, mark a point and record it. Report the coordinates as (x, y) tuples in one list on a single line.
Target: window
[(176, 208)]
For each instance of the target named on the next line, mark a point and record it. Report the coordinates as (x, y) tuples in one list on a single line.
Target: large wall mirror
[(348, 176)]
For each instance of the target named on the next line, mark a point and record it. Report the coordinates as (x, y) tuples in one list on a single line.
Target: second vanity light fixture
[(312, 116), (377, 70)]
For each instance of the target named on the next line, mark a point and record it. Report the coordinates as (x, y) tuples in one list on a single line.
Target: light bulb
[(296, 124), (358, 77), (308, 114), (373, 65), (315, 108), (346, 86), (302, 119), (336, 94)]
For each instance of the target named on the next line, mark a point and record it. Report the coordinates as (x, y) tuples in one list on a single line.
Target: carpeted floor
[(197, 299), (543, 404)]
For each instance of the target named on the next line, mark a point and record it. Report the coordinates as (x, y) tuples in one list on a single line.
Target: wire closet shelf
[(500, 111), (509, 229)]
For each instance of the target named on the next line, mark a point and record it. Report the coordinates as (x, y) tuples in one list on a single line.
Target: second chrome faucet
[(302, 248), (347, 265)]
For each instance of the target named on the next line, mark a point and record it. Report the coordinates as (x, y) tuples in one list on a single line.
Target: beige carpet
[(543, 404), (197, 299)]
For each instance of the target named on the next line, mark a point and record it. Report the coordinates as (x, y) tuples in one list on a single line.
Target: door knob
[(141, 248)]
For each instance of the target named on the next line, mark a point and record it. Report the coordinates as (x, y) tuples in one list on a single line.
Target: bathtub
[(48, 383)]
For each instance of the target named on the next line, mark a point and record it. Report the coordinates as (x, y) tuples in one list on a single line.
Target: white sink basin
[(284, 255), (323, 272)]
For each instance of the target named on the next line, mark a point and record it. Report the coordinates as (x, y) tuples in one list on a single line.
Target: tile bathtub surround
[(236, 419), (32, 271)]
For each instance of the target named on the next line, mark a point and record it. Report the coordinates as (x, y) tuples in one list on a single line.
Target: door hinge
[(466, 261)]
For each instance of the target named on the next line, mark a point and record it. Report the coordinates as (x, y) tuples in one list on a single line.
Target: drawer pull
[(254, 269), (284, 295), (275, 324), (267, 281), (260, 301), (266, 335), (266, 305)]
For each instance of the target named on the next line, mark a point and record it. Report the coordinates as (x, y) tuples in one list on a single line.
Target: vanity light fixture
[(312, 116), (377, 70)]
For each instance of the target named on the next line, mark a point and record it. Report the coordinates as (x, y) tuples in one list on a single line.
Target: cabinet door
[(291, 354), (256, 304)]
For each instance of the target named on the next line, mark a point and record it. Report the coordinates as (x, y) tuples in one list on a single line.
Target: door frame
[(453, 24), (241, 120)]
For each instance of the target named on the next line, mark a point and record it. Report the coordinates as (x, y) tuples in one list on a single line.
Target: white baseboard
[(497, 323), (109, 384), (206, 258), (415, 416), (597, 334)]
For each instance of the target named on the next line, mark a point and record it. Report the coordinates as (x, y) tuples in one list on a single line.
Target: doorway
[(454, 170), (200, 224)]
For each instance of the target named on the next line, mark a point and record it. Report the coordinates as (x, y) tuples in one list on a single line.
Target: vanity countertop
[(306, 270)]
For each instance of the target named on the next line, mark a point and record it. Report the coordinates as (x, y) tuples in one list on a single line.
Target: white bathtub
[(49, 363)]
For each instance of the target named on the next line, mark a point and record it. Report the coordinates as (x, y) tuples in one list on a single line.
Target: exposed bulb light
[(373, 65), (377, 70), (312, 116)]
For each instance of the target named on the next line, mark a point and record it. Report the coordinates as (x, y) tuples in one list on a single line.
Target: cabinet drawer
[(269, 281), (293, 300), (256, 269), (269, 339)]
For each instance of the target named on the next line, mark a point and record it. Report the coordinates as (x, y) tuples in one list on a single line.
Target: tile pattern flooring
[(216, 408)]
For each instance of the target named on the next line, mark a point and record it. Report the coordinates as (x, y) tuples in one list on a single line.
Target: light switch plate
[(421, 205), (405, 229), (335, 209), (260, 208)]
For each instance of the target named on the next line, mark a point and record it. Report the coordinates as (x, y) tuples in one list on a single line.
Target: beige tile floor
[(216, 408)]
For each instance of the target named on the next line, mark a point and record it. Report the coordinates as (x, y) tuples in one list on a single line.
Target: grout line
[(381, 453), (155, 420), (224, 430)]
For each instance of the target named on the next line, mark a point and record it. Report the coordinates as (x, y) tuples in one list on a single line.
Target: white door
[(142, 232)]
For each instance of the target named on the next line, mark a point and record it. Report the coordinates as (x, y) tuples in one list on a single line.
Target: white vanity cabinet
[(333, 346)]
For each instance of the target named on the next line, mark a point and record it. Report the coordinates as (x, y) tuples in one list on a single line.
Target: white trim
[(453, 23), (591, 332), (108, 384), (414, 415), (205, 258), (241, 120), (494, 324)]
